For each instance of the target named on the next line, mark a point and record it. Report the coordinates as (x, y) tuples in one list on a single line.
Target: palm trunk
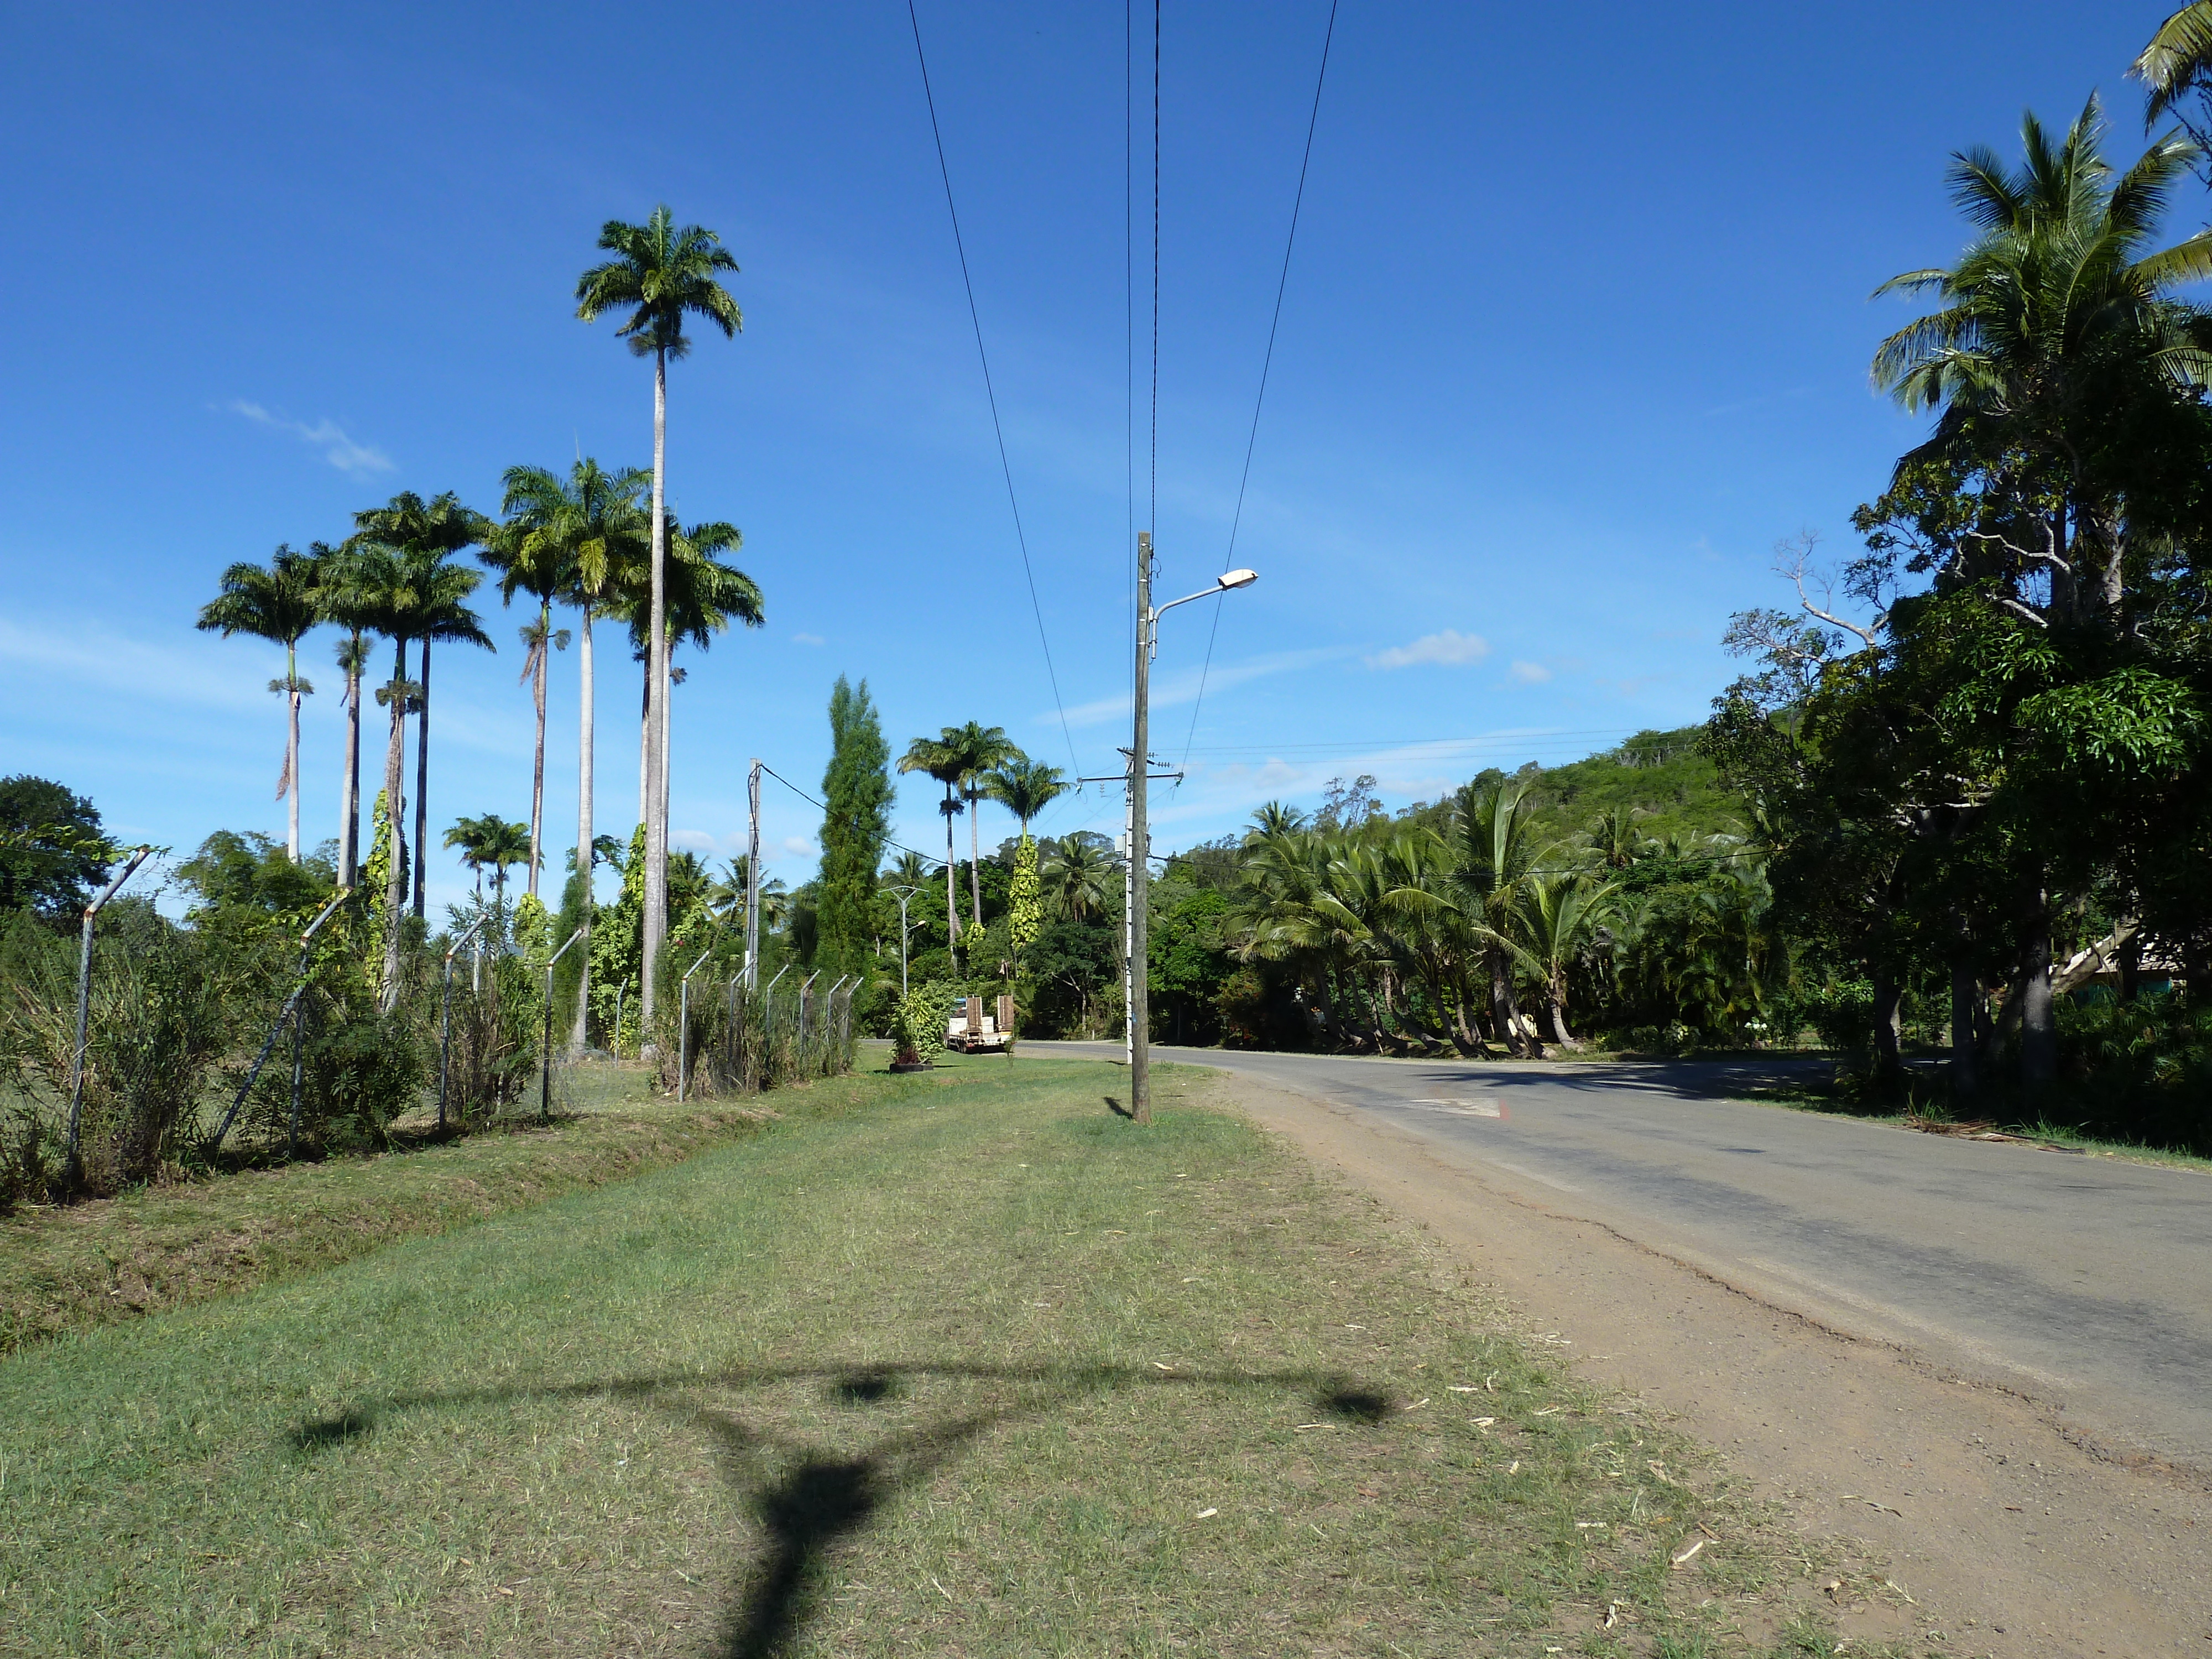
[(952, 877), (584, 858), (292, 745), (538, 764), (422, 785), (395, 811), (1888, 1062), (667, 713), (656, 827), (976, 857), (1501, 1005), (644, 743), (350, 785)]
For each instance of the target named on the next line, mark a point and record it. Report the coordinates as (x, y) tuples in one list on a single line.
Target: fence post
[(683, 1025), (83, 1013), (545, 1052), (214, 1141)]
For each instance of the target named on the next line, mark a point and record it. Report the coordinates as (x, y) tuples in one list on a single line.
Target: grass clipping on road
[(960, 1363)]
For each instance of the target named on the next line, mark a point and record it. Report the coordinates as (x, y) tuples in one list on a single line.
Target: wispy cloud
[(1175, 690), (799, 848), (807, 639), (1449, 647), (339, 450), (1531, 674)]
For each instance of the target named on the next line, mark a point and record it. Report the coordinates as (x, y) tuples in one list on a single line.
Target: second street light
[(1148, 618)]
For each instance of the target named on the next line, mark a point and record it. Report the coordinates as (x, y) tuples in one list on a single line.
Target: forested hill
[(1658, 775)]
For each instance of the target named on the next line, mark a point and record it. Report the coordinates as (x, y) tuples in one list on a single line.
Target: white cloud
[(1531, 674), (1450, 647), (807, 639), (799, 847), (339, 450)]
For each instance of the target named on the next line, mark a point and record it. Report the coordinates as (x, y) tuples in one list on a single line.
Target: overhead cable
[(1265, 363), (976, 318)]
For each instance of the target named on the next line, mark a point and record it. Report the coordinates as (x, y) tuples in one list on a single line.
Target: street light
[(1140, 840), (904, 893)]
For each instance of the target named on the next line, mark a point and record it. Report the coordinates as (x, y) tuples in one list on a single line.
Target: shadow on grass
[(811, 1501), (1117, 1107)]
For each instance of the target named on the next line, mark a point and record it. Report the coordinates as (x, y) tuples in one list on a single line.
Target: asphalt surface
[(2083, 1281)]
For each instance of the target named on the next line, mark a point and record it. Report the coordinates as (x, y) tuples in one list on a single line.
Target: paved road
[(2086, 1281)]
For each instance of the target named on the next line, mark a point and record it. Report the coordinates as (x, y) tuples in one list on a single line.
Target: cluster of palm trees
[(1399, 933), (603, 542), (976, 762)]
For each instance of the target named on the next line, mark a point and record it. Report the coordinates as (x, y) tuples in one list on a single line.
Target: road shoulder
[(2012, 1539)]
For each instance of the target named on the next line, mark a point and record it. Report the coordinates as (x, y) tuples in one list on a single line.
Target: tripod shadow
[(812, 1501)]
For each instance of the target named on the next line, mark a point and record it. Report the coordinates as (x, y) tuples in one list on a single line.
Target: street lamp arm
[(1222, 584)]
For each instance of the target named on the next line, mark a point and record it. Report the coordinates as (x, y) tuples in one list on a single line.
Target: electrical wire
[(990, 393), (1266, 363)]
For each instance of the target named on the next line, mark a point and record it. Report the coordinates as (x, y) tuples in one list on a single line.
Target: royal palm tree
[(502, 845), (2055, 313), (987, 748), (949, 766), (702, 597), (428, 533), (353, 658), (278, 604), (661, 274), (1025, 787), (533, 556), (468, 835)]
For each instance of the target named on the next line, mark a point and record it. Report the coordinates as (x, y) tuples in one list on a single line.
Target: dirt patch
[(2011, 1539)]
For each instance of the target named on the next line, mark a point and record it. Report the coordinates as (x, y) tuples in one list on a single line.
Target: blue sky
[(1577, 328)]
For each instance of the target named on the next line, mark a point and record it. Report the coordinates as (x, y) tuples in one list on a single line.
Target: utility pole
[(1140, 766), (752, 880)]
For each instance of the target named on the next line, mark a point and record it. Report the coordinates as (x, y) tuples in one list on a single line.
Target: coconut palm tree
[(1079, 877), (2177, 63), (948, 765), (1562, 916), (502, 846), (661, 274), (2057, 313), (428, 533), (1494, 852), (468, 834), (278, 604)]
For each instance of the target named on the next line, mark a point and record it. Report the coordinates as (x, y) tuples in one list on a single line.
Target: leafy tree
[(52, 852), (278, 604), (856, 788), (662, 276)]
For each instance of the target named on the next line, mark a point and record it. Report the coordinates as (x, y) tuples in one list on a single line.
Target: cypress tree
[(857, 789)]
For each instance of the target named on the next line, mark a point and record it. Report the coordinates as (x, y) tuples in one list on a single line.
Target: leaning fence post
[(69, 1169), (545, 1053), (683, 1025), (214, 1141)]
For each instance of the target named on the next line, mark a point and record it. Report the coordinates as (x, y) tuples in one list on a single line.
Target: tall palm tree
[(428, 533), (949, 766), (2055, 313), (278, 604), (986, 748), (1079, 877), (702, 597), (1025, 787), (661, 274), (334, 599), (533, 556), (468, 835)]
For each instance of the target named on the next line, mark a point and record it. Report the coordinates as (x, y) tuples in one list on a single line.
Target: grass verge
[(66, 1269), (958, 1362)]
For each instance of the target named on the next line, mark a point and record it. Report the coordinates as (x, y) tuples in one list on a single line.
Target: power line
[(990, 393), (1500, 740), (856, 821), (1266, 363)]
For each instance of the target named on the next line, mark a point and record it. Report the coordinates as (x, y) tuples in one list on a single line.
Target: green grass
[(959, 1363), (167, 1246)]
